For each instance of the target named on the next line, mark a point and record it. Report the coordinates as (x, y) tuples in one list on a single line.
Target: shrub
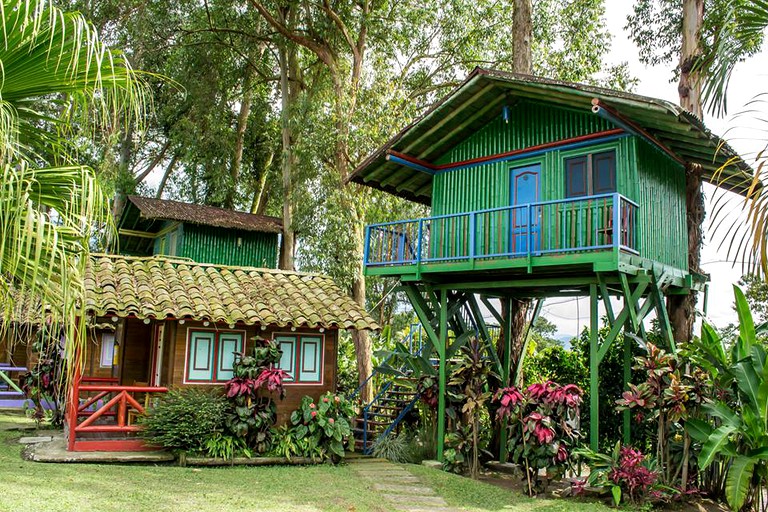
[(541, 430), (225, 446), (396, 448), (251, 414), (627, 472), (322, 430), (184, 419)]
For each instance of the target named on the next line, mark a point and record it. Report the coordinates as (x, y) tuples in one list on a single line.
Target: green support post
[(594, 397), (627, 380), (505, 371), (443, 328)]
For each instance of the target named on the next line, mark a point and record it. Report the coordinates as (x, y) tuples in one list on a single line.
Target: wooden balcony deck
[(563, 233)]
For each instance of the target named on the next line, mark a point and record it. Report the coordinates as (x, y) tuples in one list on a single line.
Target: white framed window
[(107, 358)]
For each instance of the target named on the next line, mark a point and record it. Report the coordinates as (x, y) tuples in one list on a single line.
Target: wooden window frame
[(216, 349), (298, 354), (590, 170)]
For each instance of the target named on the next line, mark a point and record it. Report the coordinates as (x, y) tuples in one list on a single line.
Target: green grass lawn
[(34, 487)]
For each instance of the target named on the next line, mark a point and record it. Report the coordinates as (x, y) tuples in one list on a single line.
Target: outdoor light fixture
[(206, 323), (505, 113), (181, 322), (146, 321), (114, 319)]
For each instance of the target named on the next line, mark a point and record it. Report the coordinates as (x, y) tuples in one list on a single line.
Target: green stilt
[(627, 380), (505, 373), (594, 398), (442, 377)]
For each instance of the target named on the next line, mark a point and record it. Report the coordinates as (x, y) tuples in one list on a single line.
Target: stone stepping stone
[(404, 489), (35, 439), (416, 500)]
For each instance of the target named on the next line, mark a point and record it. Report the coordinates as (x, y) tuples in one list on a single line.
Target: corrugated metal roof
[(164, 209), (481, 97)]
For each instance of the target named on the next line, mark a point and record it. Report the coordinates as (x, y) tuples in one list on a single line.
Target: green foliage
[(252, 413), (610, 384), (736, 436), (184, 419), (470, 375), (393, 447), (542, 428), (320, 430), (630, 475), (225, 446), (557, 364)]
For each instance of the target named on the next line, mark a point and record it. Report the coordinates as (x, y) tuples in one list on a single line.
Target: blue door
[(525, 190)]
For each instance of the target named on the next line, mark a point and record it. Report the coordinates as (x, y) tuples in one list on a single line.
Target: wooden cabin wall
[(177, 349), (207, 244), (93, 366), (16, 348), (135, 352), (488, 186), (659, 188)]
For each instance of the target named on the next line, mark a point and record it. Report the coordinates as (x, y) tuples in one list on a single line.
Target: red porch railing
[(106, 408)]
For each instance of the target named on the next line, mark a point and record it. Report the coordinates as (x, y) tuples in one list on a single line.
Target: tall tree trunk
[(361, 338), (166, 175), (288, 65), (259, 203), (682, 308), (522, 31), (242, 124)]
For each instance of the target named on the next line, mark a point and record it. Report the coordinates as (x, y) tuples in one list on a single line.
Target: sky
[(742, 133)]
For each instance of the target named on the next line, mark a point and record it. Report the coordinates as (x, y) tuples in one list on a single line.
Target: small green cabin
[(204, 234), (524, 173)]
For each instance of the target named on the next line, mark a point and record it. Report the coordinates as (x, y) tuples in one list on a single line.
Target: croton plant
[(252, 410), (543, 427)]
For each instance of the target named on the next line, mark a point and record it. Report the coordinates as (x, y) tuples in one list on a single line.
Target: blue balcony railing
[(592, 223)]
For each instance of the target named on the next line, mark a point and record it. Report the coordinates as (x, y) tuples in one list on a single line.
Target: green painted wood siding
[(487, 186), (658, 186), (643, 174), (205, 244)]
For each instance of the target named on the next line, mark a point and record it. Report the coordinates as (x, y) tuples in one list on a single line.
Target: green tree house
[(538, 189)]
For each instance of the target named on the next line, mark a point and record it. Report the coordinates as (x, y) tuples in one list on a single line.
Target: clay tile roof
[(154, 287), (165, 209)]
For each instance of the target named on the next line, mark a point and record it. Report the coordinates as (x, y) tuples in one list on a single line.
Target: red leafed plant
[(252, 411), (542, 428)]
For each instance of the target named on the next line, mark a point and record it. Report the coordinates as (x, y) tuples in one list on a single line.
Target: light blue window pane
[(200, 356), (288, 360), (310, 364), (229, 345)]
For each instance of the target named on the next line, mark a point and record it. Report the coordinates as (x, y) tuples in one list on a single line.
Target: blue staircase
[(392, 402)]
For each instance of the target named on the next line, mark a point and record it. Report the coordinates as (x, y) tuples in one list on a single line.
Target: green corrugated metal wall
[(487, 186), (205, 244), (659, 187)]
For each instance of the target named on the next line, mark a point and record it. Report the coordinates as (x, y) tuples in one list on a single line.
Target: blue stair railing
[(386, 393)]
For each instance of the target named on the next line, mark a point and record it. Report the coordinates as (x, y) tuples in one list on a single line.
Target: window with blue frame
[(591, 174), (302, 357), (211, 355)]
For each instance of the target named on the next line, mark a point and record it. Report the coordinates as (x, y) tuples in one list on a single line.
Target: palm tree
[(59, 85), (740, 35)]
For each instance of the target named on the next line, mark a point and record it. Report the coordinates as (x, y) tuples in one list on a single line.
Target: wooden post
[(441, 351), (627, 380), (506, 315), (594, 362), (73, 399)]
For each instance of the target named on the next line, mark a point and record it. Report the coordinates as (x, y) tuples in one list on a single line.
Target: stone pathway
[(401, 489)]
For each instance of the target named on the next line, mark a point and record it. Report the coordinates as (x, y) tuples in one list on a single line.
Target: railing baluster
[(419, 241), (472, 229)]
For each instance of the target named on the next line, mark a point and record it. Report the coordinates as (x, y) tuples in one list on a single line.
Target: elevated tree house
[(540, 189)]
